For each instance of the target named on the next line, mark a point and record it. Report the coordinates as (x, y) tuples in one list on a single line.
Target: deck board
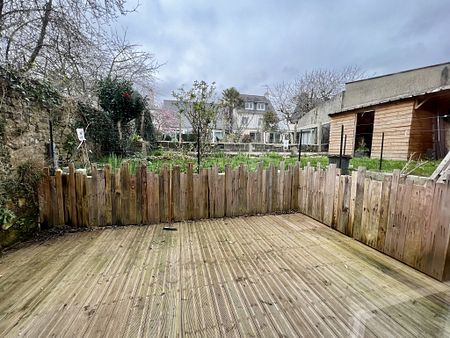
[(284, 275)]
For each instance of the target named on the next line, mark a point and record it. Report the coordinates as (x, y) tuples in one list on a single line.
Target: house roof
[(387, 88), (256, 99), (393, 87)]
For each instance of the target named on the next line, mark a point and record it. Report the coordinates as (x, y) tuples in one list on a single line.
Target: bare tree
[(283, 96), (70, 43), (199, 106), (319, 85)]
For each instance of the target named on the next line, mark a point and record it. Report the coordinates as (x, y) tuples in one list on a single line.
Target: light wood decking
[(284, 275)]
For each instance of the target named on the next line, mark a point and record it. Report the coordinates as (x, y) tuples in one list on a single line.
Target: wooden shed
[(411, 108)]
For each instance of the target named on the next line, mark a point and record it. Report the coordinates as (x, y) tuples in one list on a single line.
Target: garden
[(159, 158)]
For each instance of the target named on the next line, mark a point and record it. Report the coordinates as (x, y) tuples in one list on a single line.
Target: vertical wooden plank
[(138, 191), (156, 198), (274, 194), (444, 221), (212, 176), (196, 212), (242, 190), (66, 199), (280, 186), (125, 194), (295, 182), (440, 224), (390, 230), (163, 196), (374, 210), (301, 190), (59, 194), (93, 197), (344, 204), (337, 206), (88, 211), (411, 247), (151, 218), (117, 206), (101, 198), (132, 216), (365, 218), (176, 194), (109, 193), (329, 194), (72, 196), (80, 196), (183, 197), (204, 187), (384, 212), (359, 199), (423, 260), (354, 175), (220, 196), (190, 192), (321, 194), (228, 191), (402, 222), (260, 189), (287, 188), (144, 198)]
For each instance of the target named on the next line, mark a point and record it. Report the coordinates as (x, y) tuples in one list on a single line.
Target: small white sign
[(285, 144), (80, 134)]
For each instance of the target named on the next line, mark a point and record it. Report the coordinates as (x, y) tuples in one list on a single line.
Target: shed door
[(364, 132)]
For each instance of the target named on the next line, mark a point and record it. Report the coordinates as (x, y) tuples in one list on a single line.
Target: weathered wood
[(329, 194), (117, 217), (109, 195), (228, 191), (144, 194), (176, 194), (59, 198), (384, 212), (73, 217), (359, 199), (190, 192), (101, 198), (396, 216)]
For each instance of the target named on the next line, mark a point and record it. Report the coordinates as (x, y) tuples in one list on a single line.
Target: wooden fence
[(407, 221)]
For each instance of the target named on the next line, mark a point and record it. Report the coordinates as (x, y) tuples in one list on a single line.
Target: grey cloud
[(250, 44)]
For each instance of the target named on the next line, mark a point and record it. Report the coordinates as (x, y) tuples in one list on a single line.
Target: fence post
[(381, 153), (300, 146), (340, 149)]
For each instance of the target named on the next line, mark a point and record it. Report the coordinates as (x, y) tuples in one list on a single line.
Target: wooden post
[(340, 148), (381, 153)]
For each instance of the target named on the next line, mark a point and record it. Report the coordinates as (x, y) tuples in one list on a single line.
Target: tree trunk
[(40, 42)]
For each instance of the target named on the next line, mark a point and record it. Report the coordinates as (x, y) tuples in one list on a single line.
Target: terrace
[(274, 275)]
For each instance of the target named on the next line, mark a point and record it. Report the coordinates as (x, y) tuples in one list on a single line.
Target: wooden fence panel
[(393, 215)]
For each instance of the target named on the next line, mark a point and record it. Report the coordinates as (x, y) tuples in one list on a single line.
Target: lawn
[(158, 159)]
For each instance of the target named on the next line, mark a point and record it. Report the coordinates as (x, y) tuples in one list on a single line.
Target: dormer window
[(260, 106), (249, 106)]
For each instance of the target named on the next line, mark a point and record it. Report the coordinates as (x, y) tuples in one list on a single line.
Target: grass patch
[(155, 162)]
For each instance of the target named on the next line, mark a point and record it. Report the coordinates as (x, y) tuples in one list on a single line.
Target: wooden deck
[(283, 276)]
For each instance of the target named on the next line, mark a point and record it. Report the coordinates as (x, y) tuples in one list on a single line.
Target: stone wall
[(25, 133)]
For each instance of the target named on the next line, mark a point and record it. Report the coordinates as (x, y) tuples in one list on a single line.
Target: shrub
[(19, 206)]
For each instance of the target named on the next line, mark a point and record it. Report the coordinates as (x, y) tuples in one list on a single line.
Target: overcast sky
[(251, 44)]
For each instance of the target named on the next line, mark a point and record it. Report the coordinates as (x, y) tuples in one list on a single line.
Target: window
[(249, 106), (260, 106), (260, 122), (244, 120)]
